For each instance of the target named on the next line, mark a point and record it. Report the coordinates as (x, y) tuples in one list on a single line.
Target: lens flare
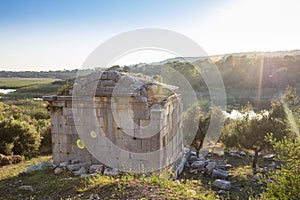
[(80, 144), (93, 134)]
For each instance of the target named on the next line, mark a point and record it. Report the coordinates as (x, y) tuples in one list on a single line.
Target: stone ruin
[(111, 109)]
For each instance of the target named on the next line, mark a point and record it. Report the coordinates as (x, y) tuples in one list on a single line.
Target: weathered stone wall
[(160, 120)]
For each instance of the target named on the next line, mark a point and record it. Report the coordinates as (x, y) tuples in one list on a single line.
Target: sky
[(60, 34)]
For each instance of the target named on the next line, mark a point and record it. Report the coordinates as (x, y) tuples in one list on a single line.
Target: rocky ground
[(220, 175)]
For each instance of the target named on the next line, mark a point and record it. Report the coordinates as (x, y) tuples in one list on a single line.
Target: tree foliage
[(286, 181), (18, 137)]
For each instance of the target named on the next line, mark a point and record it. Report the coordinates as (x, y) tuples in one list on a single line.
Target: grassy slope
[(50, 186), (29, 87), (22, 82)]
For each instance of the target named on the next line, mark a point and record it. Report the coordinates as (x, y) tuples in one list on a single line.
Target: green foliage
[(195, 123), (246, 132), (23, 122), (286, 182), (18, 137), (249, 132), (65, 89), (35, 109)]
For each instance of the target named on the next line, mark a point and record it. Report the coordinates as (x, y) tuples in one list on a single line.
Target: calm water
[(6, 91)]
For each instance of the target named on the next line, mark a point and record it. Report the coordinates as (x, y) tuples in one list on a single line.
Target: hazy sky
[(60, 34)]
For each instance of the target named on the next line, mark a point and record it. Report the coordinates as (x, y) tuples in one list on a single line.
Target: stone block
[(144, 122), (108, 83), (66, 148), (54, 128), (49, 98), (133, 145), (119, 153), (222, 184), (78, 166), (58, 103), (64, 98), (54, 137), (67, 111), (137, 156), (146, 145), (141, 114), (56, 157), (157, 114), (139, 106), (64, 129), (68, 104), (73, 130), (65, 139), (95, 160), (218, 173), (55, 148), (155, 142)]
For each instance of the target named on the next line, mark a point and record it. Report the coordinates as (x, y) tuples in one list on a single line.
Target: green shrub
[(44, 129), (286, 184), (18, 137)]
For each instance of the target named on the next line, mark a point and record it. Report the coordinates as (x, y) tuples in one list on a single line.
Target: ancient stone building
[(121, 120)]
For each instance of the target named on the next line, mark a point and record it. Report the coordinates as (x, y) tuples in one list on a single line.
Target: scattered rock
[(193, 153), (95, 168), (219, 151), (94, 196), (209, 167), (228, 166), (111, 172), (218, 173), (78, 166), (222, 184), (235, 155), (75, 161), (88, 175), (201, 158), (193, 171), (233, 151), (256, 177), (193, 158), (64, 164), (82, 170), (40, 166), (198, 164), (58, 170), (187, 164), (27, 188), (203, 152), (222, 192), (269, 157)]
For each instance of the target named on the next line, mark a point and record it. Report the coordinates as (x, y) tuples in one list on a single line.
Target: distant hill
[(248, 54)]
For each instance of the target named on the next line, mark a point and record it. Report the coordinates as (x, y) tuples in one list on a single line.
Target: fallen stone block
[(40, 166), (222, 184), (111, 172), (78, 166), (82, 170), (58, 170), (64, 164), (209, 167), (198, 164), (218, 173), (95, 168)]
